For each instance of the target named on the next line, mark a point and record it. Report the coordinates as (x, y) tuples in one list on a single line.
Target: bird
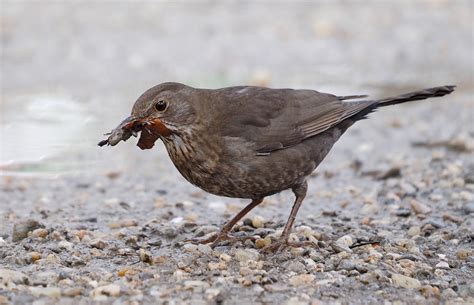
[(249, 142)]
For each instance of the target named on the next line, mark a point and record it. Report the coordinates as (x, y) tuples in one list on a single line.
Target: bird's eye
[(161, 105)]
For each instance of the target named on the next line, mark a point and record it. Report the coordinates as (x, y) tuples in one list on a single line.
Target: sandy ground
[(392, 221)]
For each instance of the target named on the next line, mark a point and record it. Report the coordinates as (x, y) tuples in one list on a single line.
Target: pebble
[(464, 254), (400, 280), (469, 208), (449, 293), (263, 242), (23, 227), (34, 256), (191, 284), (123, 223), (112, 290), (203, 230), (72, 292), (244, 255), (205, 249), (430, 291), (302, 279), (258, 222), (145, 256), (442, 265), (414, 231), (52, 292), (295, 266), (466, 196), (342, 244), (17, 277), (4, 300), (39, 233), (225, 257), (403, 212), (98, 244), (190, 248), (419, 208), (212, 293), (65, 245)]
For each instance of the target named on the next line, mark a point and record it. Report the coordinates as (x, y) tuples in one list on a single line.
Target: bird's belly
[(239, 173)]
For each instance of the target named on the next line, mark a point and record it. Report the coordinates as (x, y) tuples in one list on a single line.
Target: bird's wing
[(273, 119)]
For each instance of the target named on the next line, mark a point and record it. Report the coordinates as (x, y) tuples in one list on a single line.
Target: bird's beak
[(128, 127), (151, 131)]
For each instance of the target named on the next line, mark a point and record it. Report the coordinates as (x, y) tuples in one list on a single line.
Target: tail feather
[(417, 95)]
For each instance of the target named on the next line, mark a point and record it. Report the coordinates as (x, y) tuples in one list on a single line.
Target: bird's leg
[(282, 242), (223, 234)]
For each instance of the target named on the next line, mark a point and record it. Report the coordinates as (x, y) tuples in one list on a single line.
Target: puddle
[(36, 129)]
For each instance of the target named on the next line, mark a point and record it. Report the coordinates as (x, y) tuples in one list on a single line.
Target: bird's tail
[(417, 95)]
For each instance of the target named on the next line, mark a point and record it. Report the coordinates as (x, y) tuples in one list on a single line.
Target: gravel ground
[(390, 211)]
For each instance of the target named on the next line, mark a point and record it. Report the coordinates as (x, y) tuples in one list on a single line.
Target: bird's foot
[(219, 237), (283, 243)]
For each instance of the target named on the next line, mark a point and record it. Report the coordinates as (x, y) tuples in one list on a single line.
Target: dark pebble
[(403, 212)]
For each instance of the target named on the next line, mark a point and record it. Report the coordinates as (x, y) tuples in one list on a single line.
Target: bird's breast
[(195, 158)]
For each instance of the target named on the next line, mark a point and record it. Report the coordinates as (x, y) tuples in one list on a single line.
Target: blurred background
[(71, 70)]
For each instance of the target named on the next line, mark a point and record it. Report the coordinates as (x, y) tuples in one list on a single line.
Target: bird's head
[(160, 112)]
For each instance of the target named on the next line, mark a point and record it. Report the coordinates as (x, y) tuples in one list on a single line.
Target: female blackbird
[(248, 142)]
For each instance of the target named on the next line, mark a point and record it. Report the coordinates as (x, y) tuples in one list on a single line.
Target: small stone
[(112, 290), (263, 242), (52, 292), (123, 223), (419, 208), (302, 280), (466, 196), (244, 255), (98, 244), (449, 293), (464, 254), (469, 208), (225, 257), (369, 277), (414, 231), (205, 249), (217, 265), (442, 265), (65, 245), (258, 222), (191, 248), (4, 300), (452, 218), (400, 280), (393, 172), (212, 293), (343, 244), (17, 277), (430, 291), (295, 266), (180, 275), (72, 292), (22, 228), (34, 256), (145, 256), (39, 233), (403, 212), (191, 284)]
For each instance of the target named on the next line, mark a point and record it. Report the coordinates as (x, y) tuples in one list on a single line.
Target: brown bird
[(248, 142)]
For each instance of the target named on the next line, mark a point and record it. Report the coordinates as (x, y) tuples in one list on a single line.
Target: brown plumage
[(248, 142)]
